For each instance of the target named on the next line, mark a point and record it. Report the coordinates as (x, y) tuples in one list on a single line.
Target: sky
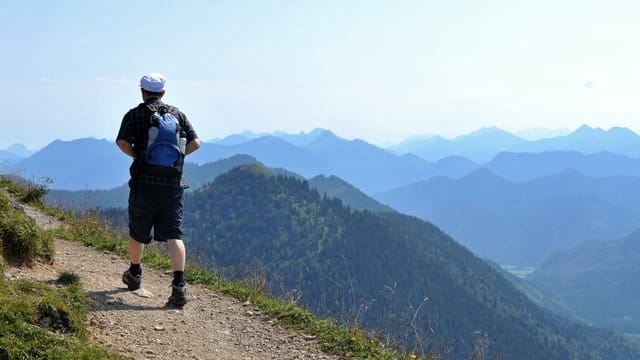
[(381, 71)]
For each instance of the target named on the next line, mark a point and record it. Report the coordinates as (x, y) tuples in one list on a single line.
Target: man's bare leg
[(135, 251), (177, 254)]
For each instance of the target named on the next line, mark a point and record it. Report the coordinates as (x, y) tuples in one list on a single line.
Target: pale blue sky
[(376, 70)]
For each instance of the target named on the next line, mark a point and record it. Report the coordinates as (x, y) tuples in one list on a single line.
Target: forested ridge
[(390, 272)]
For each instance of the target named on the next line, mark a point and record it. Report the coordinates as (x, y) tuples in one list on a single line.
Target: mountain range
[(482, 145), (200, 175), (97, 164), (520, 223)]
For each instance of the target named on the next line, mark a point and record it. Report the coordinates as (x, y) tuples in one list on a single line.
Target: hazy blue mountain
[(364, 165), (599, 279), (529, 166), (235, 139), (78, 164), (411, 278), (200, 175), (588, 140), (196, 176), (14, 154), (482, 145), (335, 187), (19, 150), (7, 159), (522, 223), (269, 150), (453, 167), (478, 146), (301, 138), (542, 133), (98, 164)]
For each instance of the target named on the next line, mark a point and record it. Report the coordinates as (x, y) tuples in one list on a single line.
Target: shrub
[(68, 278), (20, 239)]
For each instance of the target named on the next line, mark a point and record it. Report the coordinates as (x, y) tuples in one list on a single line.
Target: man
[(155, 200)]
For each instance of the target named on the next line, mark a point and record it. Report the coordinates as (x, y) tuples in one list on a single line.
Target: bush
[(20, 239), (69, 278), (25, 190)]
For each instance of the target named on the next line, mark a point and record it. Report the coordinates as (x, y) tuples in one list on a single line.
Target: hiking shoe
[(132, 281), (178, 296)]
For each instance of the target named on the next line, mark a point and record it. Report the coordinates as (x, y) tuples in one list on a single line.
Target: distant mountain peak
[(19, 150), (588, 130), (622, 131), (615, 131), (326, 137), (489, 131)]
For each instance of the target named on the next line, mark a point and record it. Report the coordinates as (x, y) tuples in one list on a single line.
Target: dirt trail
[(211, 326)]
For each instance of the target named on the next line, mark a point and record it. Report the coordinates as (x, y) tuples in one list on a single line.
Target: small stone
[(111, 302), (142, 292), (158, 328), (246, 303)]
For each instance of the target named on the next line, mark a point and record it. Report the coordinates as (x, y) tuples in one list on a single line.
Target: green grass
[(21, 240), (69, 278), (38, 321)]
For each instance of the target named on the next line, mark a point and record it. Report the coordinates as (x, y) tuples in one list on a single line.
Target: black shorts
[(157, 207)]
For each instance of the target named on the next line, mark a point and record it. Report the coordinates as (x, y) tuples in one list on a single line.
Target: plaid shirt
[(134, 129)]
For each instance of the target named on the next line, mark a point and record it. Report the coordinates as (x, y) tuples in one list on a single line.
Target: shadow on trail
[(106, 301)]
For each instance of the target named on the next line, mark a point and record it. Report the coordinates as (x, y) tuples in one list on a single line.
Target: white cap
[(153, 82)]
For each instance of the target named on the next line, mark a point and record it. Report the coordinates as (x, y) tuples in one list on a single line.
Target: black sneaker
[(178, 296), (132, 281)]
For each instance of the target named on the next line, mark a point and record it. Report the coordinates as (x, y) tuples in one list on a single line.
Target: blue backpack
[(166, 147)]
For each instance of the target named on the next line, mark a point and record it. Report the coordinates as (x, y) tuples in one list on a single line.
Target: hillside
[(335, 187), (137, 325), (522, 223), (389, 272), (599, 279)]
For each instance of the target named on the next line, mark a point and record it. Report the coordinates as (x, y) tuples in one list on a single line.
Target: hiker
[(158, 137)]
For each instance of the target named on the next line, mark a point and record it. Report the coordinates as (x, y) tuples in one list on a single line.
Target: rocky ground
[(137, 325)]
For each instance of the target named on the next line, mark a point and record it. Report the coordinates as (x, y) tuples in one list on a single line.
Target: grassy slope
[(39, 321)]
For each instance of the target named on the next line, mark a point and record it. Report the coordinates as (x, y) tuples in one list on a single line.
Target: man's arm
[(192, 146), (127, 148)]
